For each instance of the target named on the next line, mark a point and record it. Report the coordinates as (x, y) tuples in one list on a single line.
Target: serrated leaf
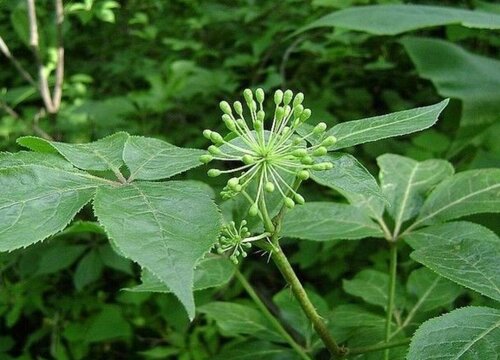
[(371, 286), (405, 182), (356, 132), (212, 271), (153, 159), (392, 19), (469, 333), (347, 176), (470, 263), (449, 233), (26, 158), (236, 319), (251, 350), (324, 221), (465, 193), (88, 270), (37, 202), (168, 228), (100, 155), (431, 290)]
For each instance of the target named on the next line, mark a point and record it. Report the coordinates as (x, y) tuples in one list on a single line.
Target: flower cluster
[(236, 240), (269, 152)]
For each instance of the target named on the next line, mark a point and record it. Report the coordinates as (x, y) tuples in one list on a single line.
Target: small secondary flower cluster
[(267, 152), (237, 241)]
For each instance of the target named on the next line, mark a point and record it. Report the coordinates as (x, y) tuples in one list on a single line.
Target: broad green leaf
[(449, 234), (236, 319), (371, 286), (354, 316), (37, 202), (100, 155), (88, 270), (405, 183), (465, 193), (398, 18), (57, 257), (168, 228), (210, 272), (469, 333), (324, 221), (26, 158), (251, 350), (153, 159), (347, 176), (115, 261), (356, 132), (470, 263), (431, 290), (458, 74), (107, 325)]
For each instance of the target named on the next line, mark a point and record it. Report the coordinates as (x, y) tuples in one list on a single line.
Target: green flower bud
[(269, 187), (329, 141), (299, 152), (234, 259), (299, 199), (297, 111), (303, 174), (205, 159), (216, 138), (296, 141), (248, 95), (289, 203), (278, 97), (252, 105), (259, 95), (298, 99), (288, 109), (214, 150), (225, 107), (233, 182), (318, 129), (307, 160), (279, 113), (238, 108), (322, 166), (213, 172), (261, 115), (254, 210), (207, 133), (247, 159), (287, 97), (321, 151), (230, 123), (306, 114)]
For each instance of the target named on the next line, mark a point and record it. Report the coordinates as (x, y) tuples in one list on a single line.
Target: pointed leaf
[(469, 333), (153, 159), (356, 132), (395, 19), (405, 182), (37, 202), (465, 193), (449, 234), (26, 158), (100, 155), (470, 263), (324, 221), (168, 228)]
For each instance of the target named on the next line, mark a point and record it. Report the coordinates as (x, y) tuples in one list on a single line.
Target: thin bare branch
[(9, 110), (6, 51), (34, 43), (36, 128), (57, 94)]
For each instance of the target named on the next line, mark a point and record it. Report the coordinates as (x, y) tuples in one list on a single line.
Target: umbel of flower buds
[(236, 241), (269, 150)]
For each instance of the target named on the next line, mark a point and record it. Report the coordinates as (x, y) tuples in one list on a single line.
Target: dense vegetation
[(159, 69)]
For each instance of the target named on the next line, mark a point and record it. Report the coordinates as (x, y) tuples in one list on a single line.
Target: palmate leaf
[(399, 18), (38, 201), (465, 193), (324, 221), (167, 230), (469, 333), (153, 159), (100, 155), (405, 183), (470, 263)]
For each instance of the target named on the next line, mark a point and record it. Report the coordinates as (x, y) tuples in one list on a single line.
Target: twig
[(391, 292), (37, 129), (285, 58), (57, 93), (9, 110), (6, 51)]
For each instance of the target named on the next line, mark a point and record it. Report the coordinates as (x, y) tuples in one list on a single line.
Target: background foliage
[(159, 68)]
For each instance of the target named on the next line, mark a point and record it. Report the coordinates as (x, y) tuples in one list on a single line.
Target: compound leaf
[(167, 230), (469, 333)]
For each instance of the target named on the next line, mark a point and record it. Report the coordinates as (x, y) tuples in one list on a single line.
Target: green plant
[(169, 227)]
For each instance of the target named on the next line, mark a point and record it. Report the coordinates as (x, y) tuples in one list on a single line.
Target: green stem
[(265, 311), (391, 292), (300, 294), (377, 347)]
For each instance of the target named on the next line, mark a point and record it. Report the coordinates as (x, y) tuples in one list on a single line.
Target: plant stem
[(265, 311), (391, 292), (380, 346), (300, 294)]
